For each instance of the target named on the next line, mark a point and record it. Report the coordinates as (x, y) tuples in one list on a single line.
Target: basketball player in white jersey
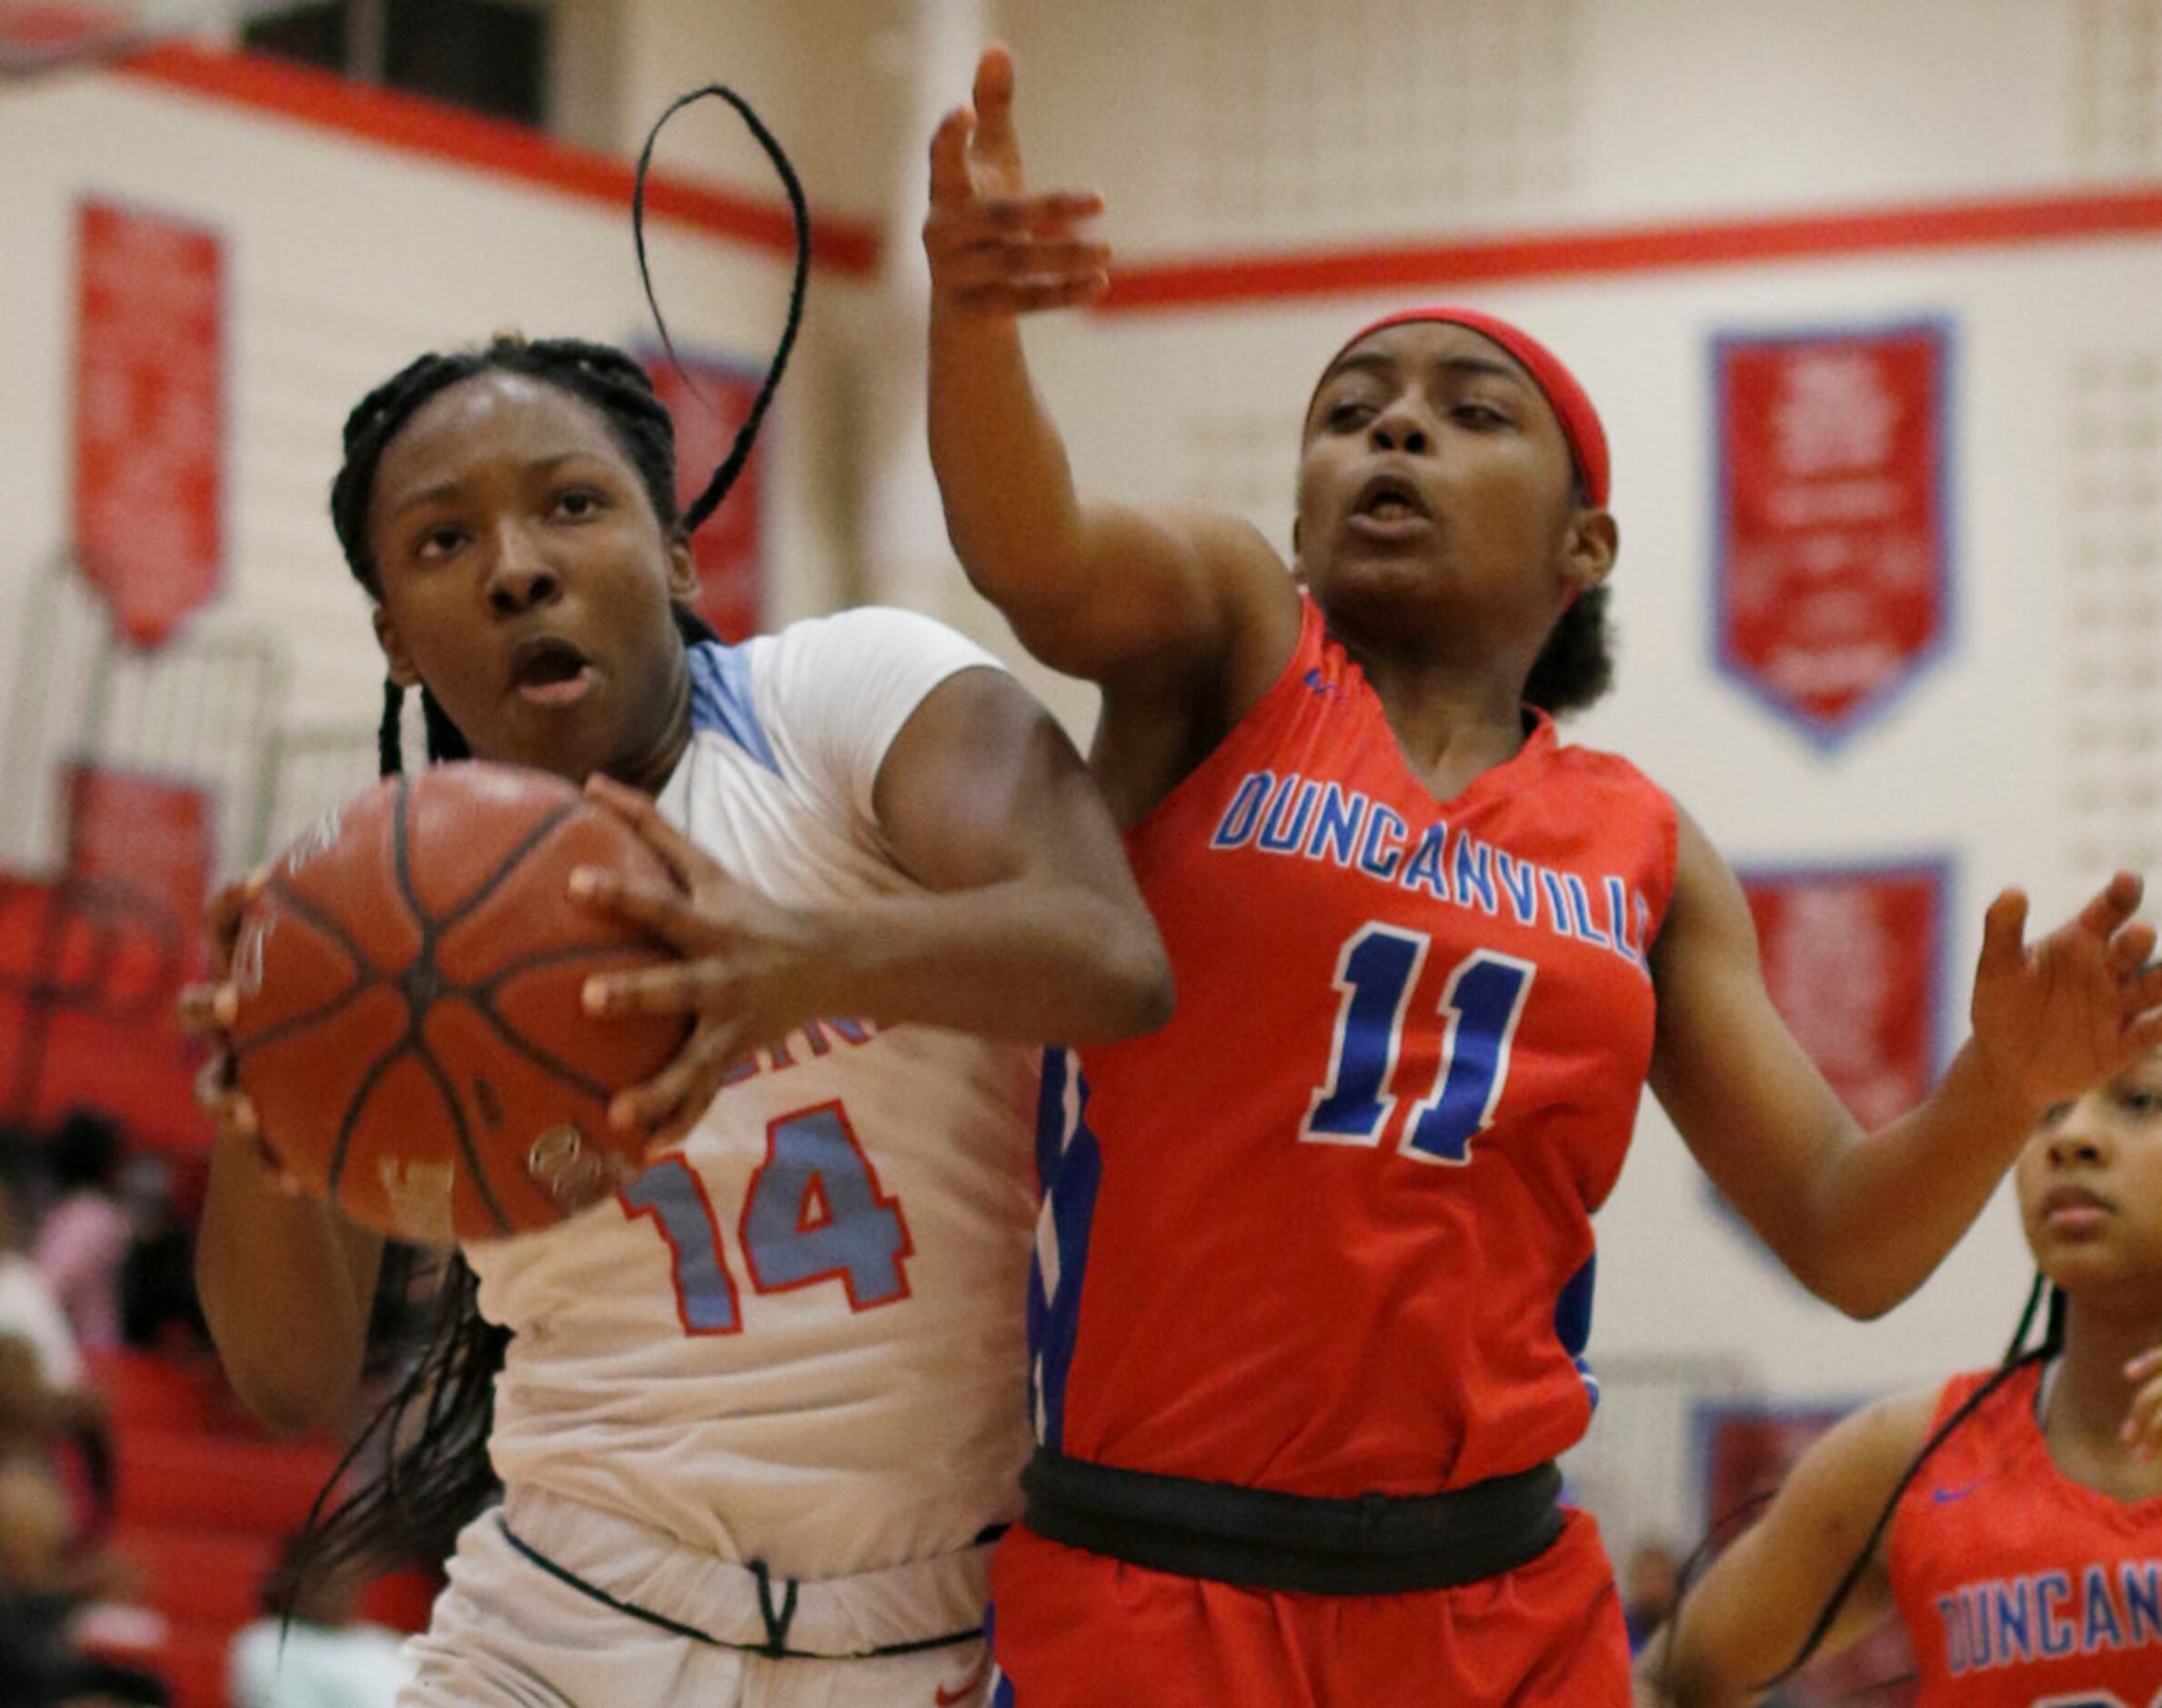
[(761, 1412)]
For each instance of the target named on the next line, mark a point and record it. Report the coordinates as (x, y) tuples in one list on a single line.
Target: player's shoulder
[(880, 631)]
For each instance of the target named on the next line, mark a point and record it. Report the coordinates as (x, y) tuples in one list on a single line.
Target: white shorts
[(515, 1630)]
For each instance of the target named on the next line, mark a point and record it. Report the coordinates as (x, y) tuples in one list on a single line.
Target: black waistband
[(1377, 1544)]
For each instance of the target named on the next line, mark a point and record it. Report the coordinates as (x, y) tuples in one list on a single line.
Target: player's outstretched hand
[(742, 975), (2143, 1422), (207, 1011), (2061, 1014), (994, 248)]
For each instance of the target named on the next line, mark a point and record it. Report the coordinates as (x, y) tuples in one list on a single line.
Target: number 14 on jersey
[(814, 1213)]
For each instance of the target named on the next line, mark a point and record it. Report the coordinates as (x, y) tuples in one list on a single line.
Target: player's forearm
[(287, 1287), (1894, 1203), (1012, 511), (1026, 961)]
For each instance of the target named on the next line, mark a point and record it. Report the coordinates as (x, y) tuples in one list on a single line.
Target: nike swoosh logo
[(1944, 1497), (966, 1690)]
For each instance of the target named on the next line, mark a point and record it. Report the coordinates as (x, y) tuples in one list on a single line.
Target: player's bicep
[(983, 787), (1749, 1616), (1166, 590), (1753, 1110)]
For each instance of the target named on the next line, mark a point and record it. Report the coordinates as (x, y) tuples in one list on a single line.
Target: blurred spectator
[(84, 1238), (1650, 1583), (314, 1653), (27, 1306), (46, 1576), (76, 1418), (159, 1311)]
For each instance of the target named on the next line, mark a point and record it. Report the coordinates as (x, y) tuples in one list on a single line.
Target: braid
[(716, 489), (2015, 1359)]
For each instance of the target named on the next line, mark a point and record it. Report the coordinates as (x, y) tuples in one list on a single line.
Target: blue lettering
[(2016, 1637), (1474, 873), (1244, 811), (1427, 868), (1276, 838), (1336, 834), (1617, 910), (1383, 827), (1580, 905), (1558, 901), (2057, 1634), (1520, 883), (1949, 1614), (2143, 1600), (2104, 1630)]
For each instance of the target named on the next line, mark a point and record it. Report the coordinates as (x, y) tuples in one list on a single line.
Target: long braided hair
[(2043, 1299), (430, 1436)]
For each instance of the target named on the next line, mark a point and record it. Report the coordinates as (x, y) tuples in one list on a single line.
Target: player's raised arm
[(1863, 1219), (1748, 1617), (1092, 588)]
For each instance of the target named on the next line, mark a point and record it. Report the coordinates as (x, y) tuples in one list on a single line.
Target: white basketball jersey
[(797, 1339)]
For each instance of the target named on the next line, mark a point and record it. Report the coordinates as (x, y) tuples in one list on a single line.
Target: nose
[(2078, 1136), (519, 577), (1400, 427)]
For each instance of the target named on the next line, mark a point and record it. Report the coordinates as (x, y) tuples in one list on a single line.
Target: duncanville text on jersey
[(2047, 1615), (1304, 818)]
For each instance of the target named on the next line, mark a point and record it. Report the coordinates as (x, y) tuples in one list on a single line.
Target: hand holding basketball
[(402, 1006), (742, 975)]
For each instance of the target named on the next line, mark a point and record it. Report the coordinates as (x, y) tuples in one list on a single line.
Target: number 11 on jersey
[(1482, 1001)]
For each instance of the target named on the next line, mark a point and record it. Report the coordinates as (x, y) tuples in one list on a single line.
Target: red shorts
[(1077, 1630)]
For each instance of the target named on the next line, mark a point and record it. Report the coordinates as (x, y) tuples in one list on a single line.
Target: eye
[(438, 542), (2141, 1102), (1347, 415), (2055, 1113), (1480, 415), (579, 504)]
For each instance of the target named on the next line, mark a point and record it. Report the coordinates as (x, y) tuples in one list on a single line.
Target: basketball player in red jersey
[(1313, 1277), (2011, 1519)]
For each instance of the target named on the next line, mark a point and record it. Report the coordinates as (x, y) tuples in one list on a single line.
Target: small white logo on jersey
[(569, 1170), (420, 1195)]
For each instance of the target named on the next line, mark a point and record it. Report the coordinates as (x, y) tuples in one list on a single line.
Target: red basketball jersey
[(1329, 1231), (2017, 1585)]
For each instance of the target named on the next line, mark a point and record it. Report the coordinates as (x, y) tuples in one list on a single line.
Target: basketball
[(409, 1025)]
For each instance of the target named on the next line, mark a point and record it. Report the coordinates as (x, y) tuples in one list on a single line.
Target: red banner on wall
[(1833, 551), (90, 963), (149, 416), (1854, 961), (711, 400)]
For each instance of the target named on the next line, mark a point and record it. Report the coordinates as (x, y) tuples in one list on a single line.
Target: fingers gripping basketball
[(409, 1026)]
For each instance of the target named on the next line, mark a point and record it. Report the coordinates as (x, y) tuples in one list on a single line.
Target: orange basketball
[(409, 1025)]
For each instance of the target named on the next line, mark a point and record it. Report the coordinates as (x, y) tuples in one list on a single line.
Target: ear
[(1298, 564), (683, 568), (401, 661), (1588, 554)]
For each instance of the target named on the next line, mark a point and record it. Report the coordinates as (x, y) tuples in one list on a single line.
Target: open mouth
[(549, 670), (1390, 498)]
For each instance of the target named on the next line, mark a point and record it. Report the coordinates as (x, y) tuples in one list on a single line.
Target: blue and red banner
[(1854, 957), (1833, 536)]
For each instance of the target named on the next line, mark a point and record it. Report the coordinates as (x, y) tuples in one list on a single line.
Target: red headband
[(1571, 403)]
